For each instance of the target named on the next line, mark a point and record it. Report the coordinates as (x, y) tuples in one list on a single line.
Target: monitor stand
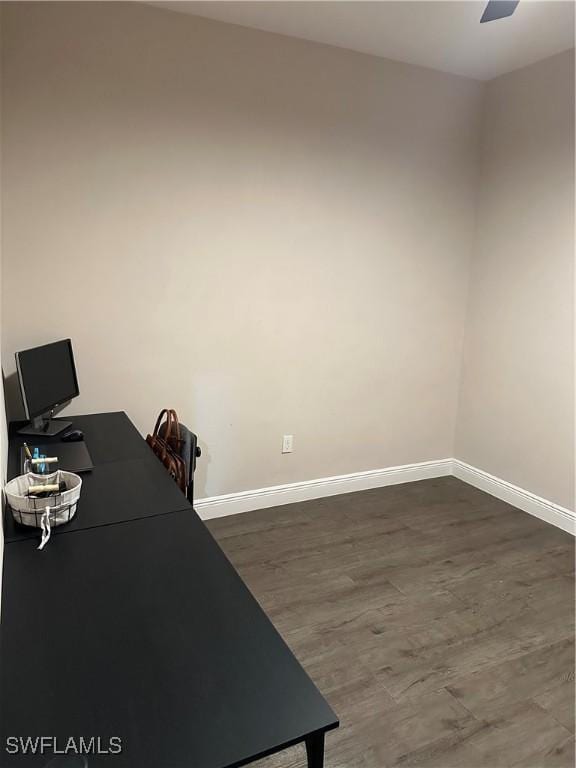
[(44, 427)]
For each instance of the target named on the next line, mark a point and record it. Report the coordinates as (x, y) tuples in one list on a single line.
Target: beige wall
[(270, 235), (516, 417)]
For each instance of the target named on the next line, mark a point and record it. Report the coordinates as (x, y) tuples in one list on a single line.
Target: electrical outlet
[(287, 443)]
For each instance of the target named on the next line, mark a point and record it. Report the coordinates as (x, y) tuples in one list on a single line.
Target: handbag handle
[(172, 427), (158, 421), (175, 423), (169, 422)]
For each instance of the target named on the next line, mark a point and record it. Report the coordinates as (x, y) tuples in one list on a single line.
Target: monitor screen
[(47, 376)]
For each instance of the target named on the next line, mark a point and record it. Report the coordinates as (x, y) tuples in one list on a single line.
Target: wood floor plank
[(559, 702), (518, 735), (452, 751), (516, 680), (560, 755), (384, 736), (438, 622)]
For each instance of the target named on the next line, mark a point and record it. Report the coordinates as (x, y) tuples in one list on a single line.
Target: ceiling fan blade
[(498, 9)]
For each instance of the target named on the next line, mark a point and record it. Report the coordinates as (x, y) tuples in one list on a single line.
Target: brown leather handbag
[(166, 448)]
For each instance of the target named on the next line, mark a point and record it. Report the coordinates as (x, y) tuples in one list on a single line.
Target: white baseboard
[(261, 498), (518, 497)]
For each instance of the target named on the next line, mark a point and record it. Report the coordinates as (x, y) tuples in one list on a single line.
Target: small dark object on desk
[(73, 437)]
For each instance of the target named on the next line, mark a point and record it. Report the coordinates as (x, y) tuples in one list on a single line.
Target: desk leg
[(315, 750)]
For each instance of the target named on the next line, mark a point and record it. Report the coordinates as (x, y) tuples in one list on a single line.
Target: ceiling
[(442, 35)]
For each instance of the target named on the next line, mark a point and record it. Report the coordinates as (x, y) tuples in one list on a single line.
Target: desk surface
[(142, 630), (110, 437), (127, 482)]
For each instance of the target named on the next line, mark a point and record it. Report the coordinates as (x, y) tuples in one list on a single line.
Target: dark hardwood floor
[(437, 621)]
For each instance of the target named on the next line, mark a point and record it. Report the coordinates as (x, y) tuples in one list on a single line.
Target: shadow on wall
[(201, 473)]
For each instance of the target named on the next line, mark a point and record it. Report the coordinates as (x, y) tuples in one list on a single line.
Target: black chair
[(195, 453)]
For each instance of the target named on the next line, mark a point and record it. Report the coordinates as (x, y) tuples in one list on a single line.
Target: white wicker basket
[(50, 511)]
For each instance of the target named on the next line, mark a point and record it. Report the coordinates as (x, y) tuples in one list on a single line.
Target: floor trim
[(261, 498), (518, 497)]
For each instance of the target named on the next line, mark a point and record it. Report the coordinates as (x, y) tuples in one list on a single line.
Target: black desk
[(110, 437), (127, 482), (143, 631), (114, 493)]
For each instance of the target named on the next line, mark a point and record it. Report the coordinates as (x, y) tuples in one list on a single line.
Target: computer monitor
[(48, 381)]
